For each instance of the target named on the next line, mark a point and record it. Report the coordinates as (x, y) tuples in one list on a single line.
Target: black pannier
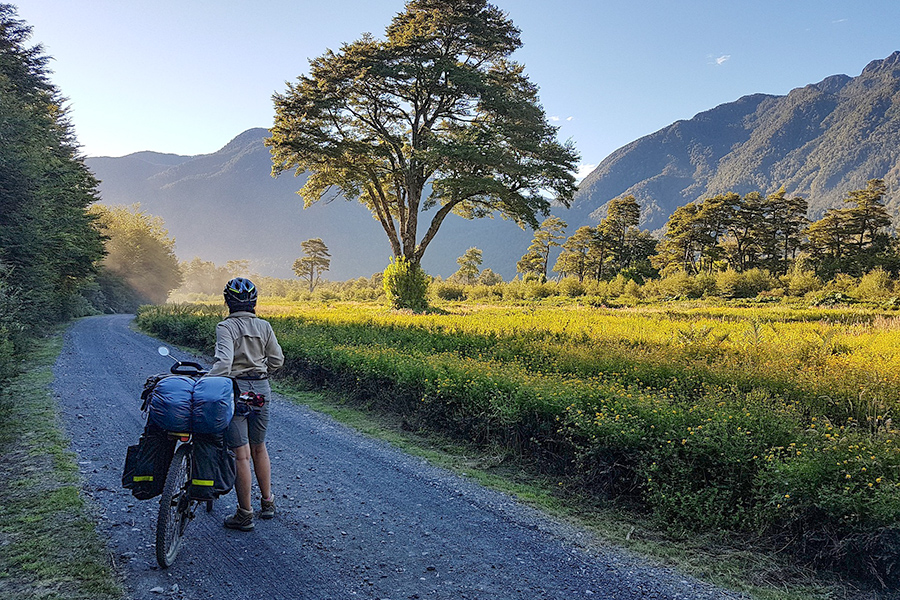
[(212, 468), (147, 463)]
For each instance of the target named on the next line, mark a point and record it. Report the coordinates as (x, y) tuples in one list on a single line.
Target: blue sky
[(186, 76)]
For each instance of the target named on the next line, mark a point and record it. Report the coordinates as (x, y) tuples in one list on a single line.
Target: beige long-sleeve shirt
[(246, 345)]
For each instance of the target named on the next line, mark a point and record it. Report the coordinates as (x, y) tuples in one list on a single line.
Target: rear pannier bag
[(184, 405), (212, 468), (147, 463)]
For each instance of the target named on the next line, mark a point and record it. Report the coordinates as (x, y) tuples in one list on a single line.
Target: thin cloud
[(722, 59), (584, 171), (569, 118), (840, 21), (554, 119)]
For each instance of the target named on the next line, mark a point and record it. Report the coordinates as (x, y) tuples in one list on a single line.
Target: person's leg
[(263, 467), (243, 477)]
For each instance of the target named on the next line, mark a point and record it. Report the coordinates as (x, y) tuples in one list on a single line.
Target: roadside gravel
[(356, 517)]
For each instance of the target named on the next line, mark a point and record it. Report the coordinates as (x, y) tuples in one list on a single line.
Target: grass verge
[(49, 548), (719, 560)]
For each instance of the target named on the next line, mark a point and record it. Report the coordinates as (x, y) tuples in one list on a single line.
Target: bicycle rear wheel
[(174, 508)]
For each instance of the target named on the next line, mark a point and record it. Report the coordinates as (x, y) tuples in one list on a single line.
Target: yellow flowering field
[(767, 419)]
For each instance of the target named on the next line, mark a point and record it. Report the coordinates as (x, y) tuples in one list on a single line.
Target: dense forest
[(61, 254), (49, 248)]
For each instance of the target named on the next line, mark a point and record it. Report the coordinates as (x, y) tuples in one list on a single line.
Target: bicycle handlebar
[(187, 368)]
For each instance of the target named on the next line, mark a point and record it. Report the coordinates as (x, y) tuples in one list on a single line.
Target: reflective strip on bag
[(204, 482), (142, 478)]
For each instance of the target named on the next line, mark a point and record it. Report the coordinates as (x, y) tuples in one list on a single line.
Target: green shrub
[(731, 284), (488, 277), (485, 292), (800, 283), (875, 285), (449, 290), (676, 285), (571, 287), (632, 289), (705, 285), (406, 285), (535, 290)]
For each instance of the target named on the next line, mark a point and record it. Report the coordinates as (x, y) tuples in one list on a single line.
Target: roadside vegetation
[(767, 420), (49, 547)]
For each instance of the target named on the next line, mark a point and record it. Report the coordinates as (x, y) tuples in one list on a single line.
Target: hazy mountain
[(226, 205), (819, 142)]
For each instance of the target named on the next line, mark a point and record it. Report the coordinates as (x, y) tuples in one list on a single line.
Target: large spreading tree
[(439, 101)]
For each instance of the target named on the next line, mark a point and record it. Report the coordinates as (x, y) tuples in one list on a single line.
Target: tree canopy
[(47, 239), (139, 251), (315, 261), (438, 100)]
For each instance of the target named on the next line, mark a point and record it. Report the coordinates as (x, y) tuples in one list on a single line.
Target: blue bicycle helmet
[(240, 294)]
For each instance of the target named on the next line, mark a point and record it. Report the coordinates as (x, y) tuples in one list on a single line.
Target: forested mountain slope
[(818, 141)]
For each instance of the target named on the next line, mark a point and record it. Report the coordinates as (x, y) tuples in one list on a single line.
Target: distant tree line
[(722, 233), (740, 233)]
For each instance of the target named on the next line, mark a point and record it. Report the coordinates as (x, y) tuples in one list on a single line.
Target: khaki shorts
[(251, 428)]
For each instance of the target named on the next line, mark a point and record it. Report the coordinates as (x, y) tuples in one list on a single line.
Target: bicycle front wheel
[(174, 506)]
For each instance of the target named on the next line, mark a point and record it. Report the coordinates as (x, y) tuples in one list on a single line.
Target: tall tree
[(715, 216), (867, 216), (621, 213), (682, 242), (315, 260), (575, 257), (744, 231), (47, 238), (785, 222), (469, 265), (546, 237), (438, 100), (139, 251)]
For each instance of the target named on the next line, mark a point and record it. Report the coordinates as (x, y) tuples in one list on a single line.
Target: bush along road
[(356, 518)]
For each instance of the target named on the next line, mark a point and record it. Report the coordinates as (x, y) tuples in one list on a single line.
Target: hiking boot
[(241, 520), (268, 508)]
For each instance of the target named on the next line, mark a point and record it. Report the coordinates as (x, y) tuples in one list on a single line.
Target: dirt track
[(357, 518)]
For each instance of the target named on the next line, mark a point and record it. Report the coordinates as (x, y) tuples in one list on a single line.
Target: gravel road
[(357, 518)]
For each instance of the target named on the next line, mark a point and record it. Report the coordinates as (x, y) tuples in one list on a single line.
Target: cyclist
[(247, 350)]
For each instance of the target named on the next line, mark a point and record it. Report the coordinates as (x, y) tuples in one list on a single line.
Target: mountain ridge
[(819, 141)]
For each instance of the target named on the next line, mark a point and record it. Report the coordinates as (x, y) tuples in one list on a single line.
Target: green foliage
[(315, 261), (572, 287), (800, 282), (547, 237), (46, 236), (139, 253), (875, 285), (731, 284), (448, 290), (469, 264), (406, 285), (488, 277)]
